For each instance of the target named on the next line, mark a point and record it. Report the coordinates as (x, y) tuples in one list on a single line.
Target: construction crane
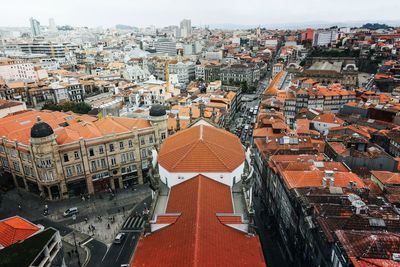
[(167, 74)]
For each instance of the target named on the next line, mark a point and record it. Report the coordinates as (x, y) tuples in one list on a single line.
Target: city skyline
[(156, 13)]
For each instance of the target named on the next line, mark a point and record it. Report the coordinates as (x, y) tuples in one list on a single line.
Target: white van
[(71, 211), (118, 239)]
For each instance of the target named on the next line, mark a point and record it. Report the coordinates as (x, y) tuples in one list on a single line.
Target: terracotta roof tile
[(15, 229), (201, 149), (18, 126), (198, 238), (300, 179), (369, 248), (386, 177)]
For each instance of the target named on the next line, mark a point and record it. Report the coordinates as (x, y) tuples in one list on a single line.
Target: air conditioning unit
[(396, 257)]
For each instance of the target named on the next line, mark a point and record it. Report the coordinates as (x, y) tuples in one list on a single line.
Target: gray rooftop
[(327, 66)]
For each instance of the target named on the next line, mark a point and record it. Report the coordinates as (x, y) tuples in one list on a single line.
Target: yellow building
[(58, 155)]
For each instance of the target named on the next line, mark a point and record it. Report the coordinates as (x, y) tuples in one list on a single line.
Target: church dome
[(41, 129), (157, 110)]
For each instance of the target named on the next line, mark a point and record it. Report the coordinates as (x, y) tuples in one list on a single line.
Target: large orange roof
[(329, 118), (201, 149), (68, 127), (15, 229), (198, 237), (301, 179), (390, 178)]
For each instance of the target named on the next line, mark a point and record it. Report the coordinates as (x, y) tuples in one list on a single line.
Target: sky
[(108, 13)]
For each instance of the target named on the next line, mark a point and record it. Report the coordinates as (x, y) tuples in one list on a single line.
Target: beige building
[(59, 155)]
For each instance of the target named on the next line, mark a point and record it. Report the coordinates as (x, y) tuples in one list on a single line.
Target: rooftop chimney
[(328, 177), (324, 179), (332, 182)]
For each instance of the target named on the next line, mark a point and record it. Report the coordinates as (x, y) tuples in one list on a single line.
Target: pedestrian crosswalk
[(133, 223)]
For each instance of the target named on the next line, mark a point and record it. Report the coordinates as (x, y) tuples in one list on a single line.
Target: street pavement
[(126, 202), (118, 254), (272, 249)]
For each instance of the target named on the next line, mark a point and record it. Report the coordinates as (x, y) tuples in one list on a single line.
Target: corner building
[(58, 155)]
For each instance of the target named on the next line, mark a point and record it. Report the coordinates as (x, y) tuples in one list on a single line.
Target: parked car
[(119, 238), (71, 211)]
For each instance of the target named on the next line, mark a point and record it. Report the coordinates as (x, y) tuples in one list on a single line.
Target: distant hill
[(124, 27), (302, 25), (376, 26)]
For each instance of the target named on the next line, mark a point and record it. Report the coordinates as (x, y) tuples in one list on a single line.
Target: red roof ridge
[(197, 223), (192, 146), (218, 157)]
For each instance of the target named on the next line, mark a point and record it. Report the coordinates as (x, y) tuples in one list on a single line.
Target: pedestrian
[(86, 219), (108, 226), (19, 206), (123, 208)]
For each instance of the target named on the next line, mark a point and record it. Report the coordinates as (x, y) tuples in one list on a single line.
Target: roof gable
[(198, 237), (201, 149)]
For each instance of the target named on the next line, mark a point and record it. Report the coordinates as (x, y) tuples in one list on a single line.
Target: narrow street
[(100, 253)]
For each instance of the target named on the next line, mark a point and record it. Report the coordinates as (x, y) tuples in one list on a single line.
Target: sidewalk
[(98, 204), (70, 256), (101, 232)]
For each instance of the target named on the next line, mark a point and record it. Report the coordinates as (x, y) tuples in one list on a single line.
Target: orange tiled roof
[(198, 238), (18, 126), (299, 179), (15, 229), (201, 149), (387, 177), (328, 118), (272, 88)]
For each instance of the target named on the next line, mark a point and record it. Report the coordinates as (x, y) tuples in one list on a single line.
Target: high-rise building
[(324, 37), (186, 28), (35, 27), (167, 46), (52, 25)]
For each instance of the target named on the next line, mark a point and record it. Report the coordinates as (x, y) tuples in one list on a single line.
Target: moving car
[(71, 211), (118, 239)]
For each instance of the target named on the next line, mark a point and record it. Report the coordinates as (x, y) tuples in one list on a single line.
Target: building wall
[(378, 163), (5, 111), (323, 127), (60, 171), (17, 71), (172, 178)]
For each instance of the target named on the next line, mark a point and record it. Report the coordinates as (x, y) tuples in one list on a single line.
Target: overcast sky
[(202, 12)]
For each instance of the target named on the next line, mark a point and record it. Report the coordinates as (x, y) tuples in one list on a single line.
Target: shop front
[(145, 171), (101, 182), (6, 181), (33, 187), (129, 176), (77, 188)]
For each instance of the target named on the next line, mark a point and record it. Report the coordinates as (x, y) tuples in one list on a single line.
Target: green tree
[(80, 108)]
